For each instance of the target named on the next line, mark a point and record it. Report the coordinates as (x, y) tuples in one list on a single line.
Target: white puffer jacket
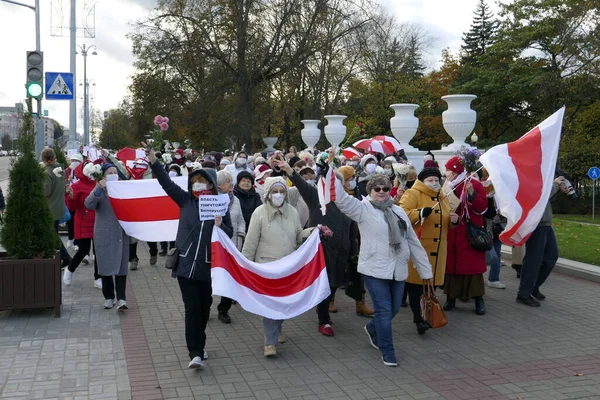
[(377, 258)]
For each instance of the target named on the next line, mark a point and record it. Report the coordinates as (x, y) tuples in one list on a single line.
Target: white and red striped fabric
[(144, 210), (281, 289), (326, 189), (522, 173)]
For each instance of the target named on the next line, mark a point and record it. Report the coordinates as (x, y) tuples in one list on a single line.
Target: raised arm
[(349, 205), (91, 202), (117, 164)]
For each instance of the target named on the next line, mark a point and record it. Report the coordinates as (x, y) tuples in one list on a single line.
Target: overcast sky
[(444, 20)]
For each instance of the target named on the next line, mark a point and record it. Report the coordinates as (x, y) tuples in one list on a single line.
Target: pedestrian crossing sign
[(59, 86)]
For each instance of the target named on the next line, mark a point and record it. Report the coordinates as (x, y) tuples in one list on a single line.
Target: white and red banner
[(326, 189), (144, 209), (522, 173), (281, 289)]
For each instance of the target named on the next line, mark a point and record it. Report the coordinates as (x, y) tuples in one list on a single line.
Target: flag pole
[(466, 177)]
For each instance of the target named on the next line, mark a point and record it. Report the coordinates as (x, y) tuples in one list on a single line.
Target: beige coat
[(273, 233)]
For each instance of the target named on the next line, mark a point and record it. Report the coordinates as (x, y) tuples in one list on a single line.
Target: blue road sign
[(59, 86), (594, 173)]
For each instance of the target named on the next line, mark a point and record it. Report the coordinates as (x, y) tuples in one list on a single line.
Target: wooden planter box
[(30, 284)]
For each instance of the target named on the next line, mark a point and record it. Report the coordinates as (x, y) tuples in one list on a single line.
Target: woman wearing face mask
[(464, 265), (368, 166), (433, 218), (261, 173), (179, 157), (110, 241), (240, 163), (274, 232), (388, 241), (194, 244), (75, 161)]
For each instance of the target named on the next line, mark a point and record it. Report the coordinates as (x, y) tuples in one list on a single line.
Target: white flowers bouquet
[(58, 171), (167, 159), (93, 171), (401, 171), (195, 166)]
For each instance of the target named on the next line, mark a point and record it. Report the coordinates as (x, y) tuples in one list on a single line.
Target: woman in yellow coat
[(421, 204)]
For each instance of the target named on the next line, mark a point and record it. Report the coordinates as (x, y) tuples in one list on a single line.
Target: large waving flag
[(144, 210), (281, 289), (522, 173)]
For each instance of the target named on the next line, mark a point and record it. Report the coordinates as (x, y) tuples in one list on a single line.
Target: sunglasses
[(379, 189)]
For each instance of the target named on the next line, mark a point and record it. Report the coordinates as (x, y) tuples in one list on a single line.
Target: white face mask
[(434, 186), (188, 164), (277, 199), (311, 182), (370, 168), (241, 161), (198, 187), (178, 157), (75, 164), (172, 174), (352, 184), (112, 178)]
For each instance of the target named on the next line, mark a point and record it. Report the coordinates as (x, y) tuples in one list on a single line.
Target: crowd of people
[(390, 234)]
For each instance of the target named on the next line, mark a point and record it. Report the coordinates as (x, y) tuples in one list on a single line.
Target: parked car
[(3, 153)]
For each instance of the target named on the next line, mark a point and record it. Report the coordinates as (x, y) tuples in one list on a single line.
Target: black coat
[(338, 248), (249, 201), (193, 236)]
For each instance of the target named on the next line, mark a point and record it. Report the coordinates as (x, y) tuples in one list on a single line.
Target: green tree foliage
[(27, 230), (482, 34), (60, 155), (116, 129)]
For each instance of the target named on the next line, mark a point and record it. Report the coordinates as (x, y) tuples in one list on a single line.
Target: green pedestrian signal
[(35, 74)]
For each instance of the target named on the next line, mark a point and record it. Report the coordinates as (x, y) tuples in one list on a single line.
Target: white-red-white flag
[(144, 209), (522, 173), (281, 289), (326, 189)]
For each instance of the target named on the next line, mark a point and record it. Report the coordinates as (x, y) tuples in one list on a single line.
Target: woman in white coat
[(388, 241), (274, 232)]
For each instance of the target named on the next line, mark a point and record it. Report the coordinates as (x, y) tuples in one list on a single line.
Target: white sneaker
[(497, 285), (196, 363), (70, 244), (67, 277), (122, 305), (86, 260), (270, 351), (98, 283), (205, 355), (108, 304)]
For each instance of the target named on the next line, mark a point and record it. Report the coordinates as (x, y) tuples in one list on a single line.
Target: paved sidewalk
[(513, 352)]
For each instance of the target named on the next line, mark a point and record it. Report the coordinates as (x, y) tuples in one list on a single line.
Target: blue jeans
[(541, 255), (494, 275), (386, 296)]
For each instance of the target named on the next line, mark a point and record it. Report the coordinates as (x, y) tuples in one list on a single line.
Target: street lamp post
[(39, 132), (86, 101)]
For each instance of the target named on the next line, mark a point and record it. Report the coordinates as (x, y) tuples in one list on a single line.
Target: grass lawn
[(577, 241), (577, 218)]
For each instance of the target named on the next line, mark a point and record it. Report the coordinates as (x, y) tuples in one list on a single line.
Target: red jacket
[(84, 218), (462, 259)]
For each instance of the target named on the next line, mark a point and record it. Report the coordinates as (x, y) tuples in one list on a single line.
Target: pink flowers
[(325, 231), (161, 122)]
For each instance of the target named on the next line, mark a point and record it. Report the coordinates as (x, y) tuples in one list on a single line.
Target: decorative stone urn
[(404, 124), (311, 132), (270, 142), (335, 130), (459, 120)]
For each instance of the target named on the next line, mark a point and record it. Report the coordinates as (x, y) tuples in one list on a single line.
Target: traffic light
[(35, 74)]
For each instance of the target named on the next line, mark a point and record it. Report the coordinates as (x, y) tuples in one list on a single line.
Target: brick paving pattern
[(513, 352)]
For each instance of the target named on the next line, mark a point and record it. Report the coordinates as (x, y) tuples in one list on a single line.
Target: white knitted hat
[(273, 181)]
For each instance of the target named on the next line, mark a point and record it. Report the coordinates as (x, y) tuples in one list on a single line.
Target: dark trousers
[(133, 250), (323, 308), (164, 246), (224, 304), (71, 225), (541, 254), (64, 254), (108, 287), (197, 299), (84, 246), (414, 292)]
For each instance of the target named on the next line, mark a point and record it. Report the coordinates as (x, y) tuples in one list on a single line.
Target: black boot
[(224, 317), (479, 305), (422, 327), (449, 304)]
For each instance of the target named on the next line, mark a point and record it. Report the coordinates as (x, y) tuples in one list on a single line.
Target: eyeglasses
[(379, 189)]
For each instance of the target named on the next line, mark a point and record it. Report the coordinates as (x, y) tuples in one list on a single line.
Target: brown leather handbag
[(431, 310)]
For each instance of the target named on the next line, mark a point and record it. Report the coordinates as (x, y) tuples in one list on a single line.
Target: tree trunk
[(245, 115)]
